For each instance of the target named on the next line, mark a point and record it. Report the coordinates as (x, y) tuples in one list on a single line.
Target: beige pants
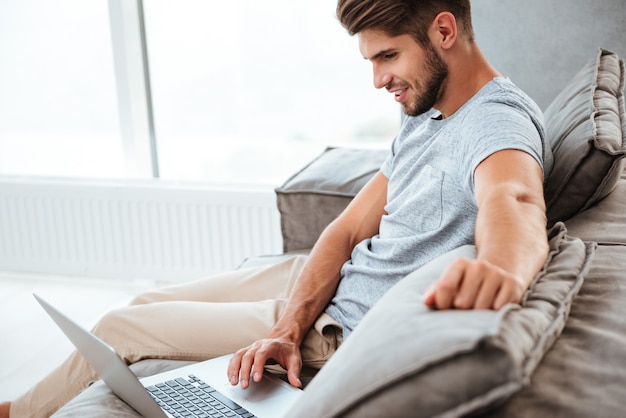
[(192, 321)]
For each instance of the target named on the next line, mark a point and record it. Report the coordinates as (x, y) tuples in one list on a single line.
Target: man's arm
[(314, 288), (510, 236)]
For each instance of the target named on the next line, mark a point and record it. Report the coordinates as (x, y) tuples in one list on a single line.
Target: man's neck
[(468, 72)]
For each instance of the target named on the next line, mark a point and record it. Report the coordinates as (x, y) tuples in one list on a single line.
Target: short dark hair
[(400, 17)]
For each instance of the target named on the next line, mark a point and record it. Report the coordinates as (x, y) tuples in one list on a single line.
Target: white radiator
[(132, 230)]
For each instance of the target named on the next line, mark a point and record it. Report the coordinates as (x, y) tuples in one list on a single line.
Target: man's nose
[(381, 78)]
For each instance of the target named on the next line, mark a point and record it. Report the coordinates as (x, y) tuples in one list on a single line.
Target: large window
[(242, 90), (58, 105), (250, 90)]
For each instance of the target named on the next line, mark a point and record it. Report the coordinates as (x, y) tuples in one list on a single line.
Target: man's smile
[(399, 91)]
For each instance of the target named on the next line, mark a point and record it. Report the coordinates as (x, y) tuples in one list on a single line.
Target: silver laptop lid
[(105, 361)]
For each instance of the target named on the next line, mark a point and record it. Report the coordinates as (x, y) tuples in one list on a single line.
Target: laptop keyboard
[(191, 397)]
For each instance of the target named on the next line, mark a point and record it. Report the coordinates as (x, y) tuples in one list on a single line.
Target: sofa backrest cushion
[(405, 359), (586, 127)]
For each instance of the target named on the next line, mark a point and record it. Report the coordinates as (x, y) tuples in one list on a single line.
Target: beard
[(429, 91)]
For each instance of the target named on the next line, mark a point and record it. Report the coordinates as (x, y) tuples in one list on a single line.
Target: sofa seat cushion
[(407, 360), (586, 127)]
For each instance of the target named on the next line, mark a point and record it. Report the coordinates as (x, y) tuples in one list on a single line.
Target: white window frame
[(132, 75)]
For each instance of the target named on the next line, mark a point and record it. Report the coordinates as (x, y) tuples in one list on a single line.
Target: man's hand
[(474, 284), (250, 361)]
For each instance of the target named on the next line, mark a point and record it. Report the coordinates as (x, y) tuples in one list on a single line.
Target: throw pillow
[(586, 127), (407, 360)]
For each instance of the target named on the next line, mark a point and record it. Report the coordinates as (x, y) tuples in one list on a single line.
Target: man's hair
[(402, 17)]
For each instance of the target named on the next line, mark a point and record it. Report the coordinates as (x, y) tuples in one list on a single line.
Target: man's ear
[(444, 30)]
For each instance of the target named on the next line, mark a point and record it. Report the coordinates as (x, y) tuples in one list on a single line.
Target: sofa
[(561, 352)]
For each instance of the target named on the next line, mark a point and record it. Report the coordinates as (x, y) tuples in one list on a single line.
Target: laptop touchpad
[(256, 391)]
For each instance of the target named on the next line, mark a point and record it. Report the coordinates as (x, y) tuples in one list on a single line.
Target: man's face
[(416, 75)]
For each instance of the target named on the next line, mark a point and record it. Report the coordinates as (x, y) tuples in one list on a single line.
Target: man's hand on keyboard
[(249, 362)]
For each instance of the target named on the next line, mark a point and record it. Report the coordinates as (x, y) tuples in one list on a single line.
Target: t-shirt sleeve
[(387, 164), (495, 127)]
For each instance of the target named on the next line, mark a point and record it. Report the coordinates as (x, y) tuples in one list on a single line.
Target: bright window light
[(58, 104), (249, 91), (243, 91)]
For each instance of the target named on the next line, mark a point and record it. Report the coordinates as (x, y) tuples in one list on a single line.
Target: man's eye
[(389, 56)]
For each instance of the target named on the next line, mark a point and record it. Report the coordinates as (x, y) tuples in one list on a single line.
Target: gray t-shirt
[(431, 207)]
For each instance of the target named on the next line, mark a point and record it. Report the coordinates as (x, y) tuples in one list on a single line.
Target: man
[(423, 51), (467, 167)]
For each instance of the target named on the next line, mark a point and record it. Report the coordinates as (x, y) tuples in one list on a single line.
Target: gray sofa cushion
[(586, 128), (407, 360), (605, 222), (583, 374), (313, 197)]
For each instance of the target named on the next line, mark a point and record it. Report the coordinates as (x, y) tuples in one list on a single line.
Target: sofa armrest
[(313, 197)]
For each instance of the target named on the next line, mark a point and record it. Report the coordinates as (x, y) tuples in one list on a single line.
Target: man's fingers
[(474, 284), (444, 290), (260, 359), (471, 286), (234, 365), (249, 363), (294, 367), (484, 299), (512, 290), (429, 296), (245, 369)]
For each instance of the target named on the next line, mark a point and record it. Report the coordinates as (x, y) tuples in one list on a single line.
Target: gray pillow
[(586, 128), (313, 197), (407, 360)]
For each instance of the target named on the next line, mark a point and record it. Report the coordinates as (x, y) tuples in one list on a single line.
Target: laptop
[(201, 387)]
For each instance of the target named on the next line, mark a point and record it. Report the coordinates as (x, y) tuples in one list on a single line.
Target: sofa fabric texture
[(605, 222), (583, 374), (447, 363), (586, 127)]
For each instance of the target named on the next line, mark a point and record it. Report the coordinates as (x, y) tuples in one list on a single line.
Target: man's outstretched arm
[(510, 236), (314, 288)]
